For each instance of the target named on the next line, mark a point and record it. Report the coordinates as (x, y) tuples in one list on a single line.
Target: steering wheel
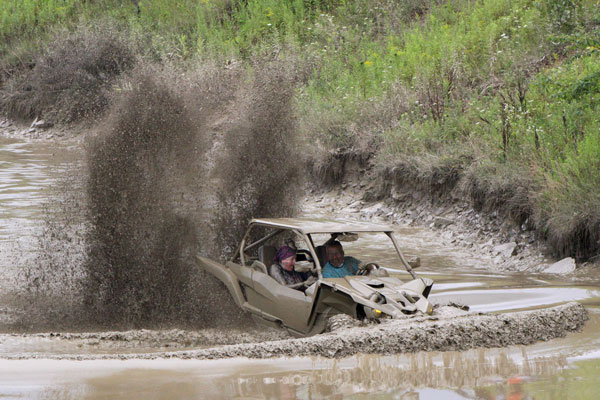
[(366, 270)]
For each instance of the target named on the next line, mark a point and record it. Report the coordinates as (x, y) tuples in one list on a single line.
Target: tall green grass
[(22, 20), (512, 84)]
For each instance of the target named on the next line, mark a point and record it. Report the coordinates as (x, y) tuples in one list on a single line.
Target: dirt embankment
[(37, 129), (446, 331), (350, 184)]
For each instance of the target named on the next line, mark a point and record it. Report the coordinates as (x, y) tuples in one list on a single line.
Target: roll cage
[(305, 229)]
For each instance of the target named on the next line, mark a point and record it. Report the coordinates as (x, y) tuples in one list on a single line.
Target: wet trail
[(561, 368)]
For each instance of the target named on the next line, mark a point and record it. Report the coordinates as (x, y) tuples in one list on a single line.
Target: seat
[(322, 254), (260, 267), (266, 255)]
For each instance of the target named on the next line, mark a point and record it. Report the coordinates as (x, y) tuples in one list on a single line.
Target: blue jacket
[(348, 267)]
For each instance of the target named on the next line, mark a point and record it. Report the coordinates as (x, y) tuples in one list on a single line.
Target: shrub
[(71, 80)]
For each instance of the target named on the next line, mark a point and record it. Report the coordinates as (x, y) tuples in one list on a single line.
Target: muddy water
[(29, 171), (561, 368)]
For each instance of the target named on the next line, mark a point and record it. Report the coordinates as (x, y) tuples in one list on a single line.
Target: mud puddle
[(29, 170)]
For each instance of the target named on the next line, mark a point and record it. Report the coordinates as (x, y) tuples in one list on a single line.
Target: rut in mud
[(450, 329)]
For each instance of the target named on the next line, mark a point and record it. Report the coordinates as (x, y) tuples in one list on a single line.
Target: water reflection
[(476, 374), (542, 371), (408, 374)]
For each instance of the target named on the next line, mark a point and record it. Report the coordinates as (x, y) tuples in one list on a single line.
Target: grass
[(494, 88)]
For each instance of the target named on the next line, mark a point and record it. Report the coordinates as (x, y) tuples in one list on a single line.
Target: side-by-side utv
[(374, 293)]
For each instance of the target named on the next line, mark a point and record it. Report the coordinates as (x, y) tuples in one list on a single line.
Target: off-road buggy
[(304, 311)]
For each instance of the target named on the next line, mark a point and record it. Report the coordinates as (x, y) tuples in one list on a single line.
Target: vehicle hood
[(390, 295)]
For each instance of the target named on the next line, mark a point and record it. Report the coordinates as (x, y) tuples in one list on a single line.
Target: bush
[(569, 204), (72, 79)]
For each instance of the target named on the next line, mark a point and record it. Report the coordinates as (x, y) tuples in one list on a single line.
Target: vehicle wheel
[(341, 321)]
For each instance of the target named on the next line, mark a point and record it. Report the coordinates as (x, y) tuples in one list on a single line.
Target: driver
[(283, 271), (339, 265)]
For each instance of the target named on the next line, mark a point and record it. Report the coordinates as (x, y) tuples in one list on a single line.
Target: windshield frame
[(308, 240)]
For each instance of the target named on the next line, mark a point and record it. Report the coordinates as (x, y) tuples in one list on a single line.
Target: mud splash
[(137, 267), (166, 175), (259, 165)]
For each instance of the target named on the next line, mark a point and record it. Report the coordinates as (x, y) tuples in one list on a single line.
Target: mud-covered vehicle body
[(304, 311)]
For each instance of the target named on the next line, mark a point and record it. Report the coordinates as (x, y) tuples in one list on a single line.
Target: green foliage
[(29, 20), (505, 82)]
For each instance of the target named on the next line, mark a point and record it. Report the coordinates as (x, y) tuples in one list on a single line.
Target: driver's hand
[(365, 267)]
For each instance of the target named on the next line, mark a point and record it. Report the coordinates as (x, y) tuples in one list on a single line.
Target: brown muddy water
[(564, 368), (28, 173)]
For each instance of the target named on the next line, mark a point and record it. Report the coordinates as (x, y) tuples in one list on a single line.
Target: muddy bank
[(496, 222), (38, 130), (448, 330), (502, 244)]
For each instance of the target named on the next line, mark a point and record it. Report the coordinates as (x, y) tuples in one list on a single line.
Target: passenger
[(339, 265), (283, 271)]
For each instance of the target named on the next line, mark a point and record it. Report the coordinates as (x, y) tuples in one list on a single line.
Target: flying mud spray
[(178, 166)]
